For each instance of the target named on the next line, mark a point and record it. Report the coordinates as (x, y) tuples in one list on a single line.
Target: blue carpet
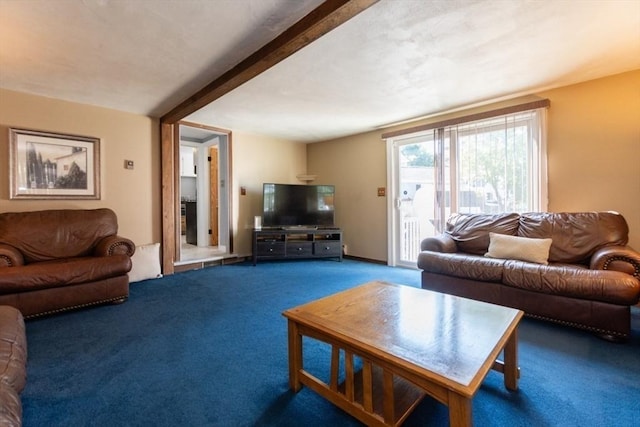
[(209, 348)]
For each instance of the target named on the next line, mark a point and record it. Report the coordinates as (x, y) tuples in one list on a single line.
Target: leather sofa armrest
[(439, 243), (10, 256), (114, 245), (617, 258)]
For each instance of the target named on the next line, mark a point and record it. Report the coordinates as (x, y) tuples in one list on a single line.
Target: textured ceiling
[(141, 56), (399, 59)]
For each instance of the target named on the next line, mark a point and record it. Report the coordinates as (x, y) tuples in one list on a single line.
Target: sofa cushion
[(471, 231), (572, 281), (521, 248), (75, 234), (63, 272), (461, 265), (575, 236)]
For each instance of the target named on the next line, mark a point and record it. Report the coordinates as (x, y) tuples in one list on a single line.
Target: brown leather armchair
[(589, 278), (56, 260)]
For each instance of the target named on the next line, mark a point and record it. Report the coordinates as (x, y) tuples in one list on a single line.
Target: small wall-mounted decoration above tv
[(294, 205)]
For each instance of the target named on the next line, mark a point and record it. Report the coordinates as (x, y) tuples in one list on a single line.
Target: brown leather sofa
[(56, 260), (13, 365), (590, 279)]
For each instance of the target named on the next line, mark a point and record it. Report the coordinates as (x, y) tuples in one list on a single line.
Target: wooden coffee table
[(401, 343)]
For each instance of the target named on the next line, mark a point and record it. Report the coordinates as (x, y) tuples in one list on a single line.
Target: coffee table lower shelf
[(371, 394)]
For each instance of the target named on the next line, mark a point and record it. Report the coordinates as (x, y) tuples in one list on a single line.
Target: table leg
[(511, 362), (460, 411), (295, 356)]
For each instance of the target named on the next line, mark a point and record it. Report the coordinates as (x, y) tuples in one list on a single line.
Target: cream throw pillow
[(145, 263), (520, 248)]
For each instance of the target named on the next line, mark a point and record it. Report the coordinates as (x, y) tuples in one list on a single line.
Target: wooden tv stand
[(296, 243)]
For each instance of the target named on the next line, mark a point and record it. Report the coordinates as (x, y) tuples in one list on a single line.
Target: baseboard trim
[(357, 258), (197, 265)]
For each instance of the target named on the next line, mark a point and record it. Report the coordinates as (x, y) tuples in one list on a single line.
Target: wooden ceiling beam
[(324, 18)]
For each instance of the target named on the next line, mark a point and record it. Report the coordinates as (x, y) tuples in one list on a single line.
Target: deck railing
[(410, 239)]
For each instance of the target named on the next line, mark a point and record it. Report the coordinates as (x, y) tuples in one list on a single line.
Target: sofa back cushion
[(52, 234), (575, 236), (471, 231)]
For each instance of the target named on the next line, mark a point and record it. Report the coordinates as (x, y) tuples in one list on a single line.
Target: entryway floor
[(190, 253)]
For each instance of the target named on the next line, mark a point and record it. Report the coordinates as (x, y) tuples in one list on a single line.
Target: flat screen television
[(294, 205)]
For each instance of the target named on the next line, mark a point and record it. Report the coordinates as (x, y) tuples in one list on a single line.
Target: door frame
[(206, 184), (214, 195), (394, 198), (392, 212), (170, 158)]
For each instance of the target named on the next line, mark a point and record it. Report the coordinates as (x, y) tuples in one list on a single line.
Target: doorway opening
[(204, 198)]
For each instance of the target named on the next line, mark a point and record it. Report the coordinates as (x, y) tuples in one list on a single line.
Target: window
[(491, 165)]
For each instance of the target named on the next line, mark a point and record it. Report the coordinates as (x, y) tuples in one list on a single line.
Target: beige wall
[(594, 148), (258, 159), (593, 152), (357, 167), (133, 194)]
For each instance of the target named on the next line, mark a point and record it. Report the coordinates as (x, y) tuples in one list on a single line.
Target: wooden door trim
[(214, 196), (171, 184), (169, 176)]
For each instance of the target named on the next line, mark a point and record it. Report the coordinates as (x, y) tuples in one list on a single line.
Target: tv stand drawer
[(301, 249), (327, 248), (270, 248)]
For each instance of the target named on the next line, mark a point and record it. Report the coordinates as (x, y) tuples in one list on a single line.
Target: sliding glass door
[(413, 197)]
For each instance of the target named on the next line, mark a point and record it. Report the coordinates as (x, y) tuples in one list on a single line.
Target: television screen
[(291, 205)]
